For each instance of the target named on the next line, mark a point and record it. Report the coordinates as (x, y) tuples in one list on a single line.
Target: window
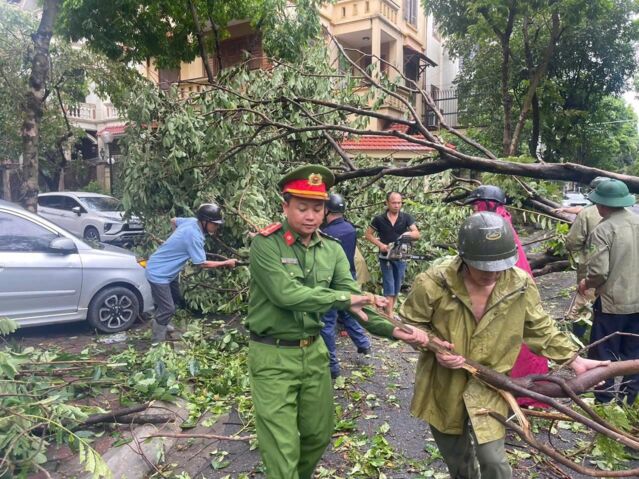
[(20, 234), (53, 201), (411, 7)]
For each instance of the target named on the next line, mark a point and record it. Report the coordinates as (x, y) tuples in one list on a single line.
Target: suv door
[(70, 220), (35, 283), (51, 208)]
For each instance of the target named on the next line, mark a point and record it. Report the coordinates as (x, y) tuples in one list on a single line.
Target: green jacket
[(292, 286), (613, 262), (439, 302), (577, 238)]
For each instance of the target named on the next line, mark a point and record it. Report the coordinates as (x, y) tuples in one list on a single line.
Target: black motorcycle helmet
[(487, 193), (210, 213), (335, 203)]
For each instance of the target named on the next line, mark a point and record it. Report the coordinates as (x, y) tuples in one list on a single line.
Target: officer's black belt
[(291, 343)]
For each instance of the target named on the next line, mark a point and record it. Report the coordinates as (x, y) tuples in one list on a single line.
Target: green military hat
[(308, 181), (612, 193)]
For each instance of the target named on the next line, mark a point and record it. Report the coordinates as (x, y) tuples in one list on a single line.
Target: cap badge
[(315, 179), (493, 235)]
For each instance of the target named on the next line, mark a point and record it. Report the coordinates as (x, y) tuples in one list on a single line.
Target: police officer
[(485, 308), (337, 227), (164, 266), (297, 274)]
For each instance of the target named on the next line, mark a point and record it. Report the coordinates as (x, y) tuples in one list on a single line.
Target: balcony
[(353, 10), (82, 111)]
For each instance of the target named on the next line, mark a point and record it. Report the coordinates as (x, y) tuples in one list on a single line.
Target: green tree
[(585, 46), (167, 30), (71, 71)]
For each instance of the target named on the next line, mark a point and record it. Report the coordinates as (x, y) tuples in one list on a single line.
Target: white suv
[(91, 216)]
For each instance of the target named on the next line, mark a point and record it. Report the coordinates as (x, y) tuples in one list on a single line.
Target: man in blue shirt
[(164, 266), (337, 227)]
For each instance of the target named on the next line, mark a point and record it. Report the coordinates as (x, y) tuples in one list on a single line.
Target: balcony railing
[(82, 111), (360, 9), (447, 104), (111, 112)]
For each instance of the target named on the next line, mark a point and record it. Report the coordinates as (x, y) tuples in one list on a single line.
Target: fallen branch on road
[(200, 436)]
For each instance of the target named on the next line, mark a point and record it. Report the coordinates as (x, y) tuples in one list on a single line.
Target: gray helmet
[(210, 212), (597, 180), (487, 193), (335, 203), (486, 242)]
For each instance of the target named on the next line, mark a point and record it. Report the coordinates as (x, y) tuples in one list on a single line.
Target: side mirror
[(77, 210), (62, 246)]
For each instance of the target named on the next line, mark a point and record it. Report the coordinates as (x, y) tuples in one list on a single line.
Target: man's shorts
[(392, 276)]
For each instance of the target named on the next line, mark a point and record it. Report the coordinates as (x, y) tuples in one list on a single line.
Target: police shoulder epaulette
[(326, 235), (270, 229)]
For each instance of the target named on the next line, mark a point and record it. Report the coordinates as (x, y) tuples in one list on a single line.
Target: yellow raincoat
[(439, 302)]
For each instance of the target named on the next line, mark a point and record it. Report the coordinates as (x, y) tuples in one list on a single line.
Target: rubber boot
[(158, 332)]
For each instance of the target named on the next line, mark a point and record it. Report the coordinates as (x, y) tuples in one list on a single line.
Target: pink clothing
[(527, 362)]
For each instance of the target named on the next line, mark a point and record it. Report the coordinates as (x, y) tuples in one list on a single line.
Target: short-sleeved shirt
[(186, 243), (387, 232), (346, 233)]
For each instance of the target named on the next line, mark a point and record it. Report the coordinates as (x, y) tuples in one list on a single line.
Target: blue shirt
[(347, 234), (186, 243)]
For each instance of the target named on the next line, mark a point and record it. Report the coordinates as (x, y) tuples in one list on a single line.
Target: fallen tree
[(547, 388)]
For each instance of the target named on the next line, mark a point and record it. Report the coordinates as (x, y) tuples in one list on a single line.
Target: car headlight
[(107, 227), (141, 262)]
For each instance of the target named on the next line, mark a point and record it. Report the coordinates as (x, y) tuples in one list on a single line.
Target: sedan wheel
[(114, 309)]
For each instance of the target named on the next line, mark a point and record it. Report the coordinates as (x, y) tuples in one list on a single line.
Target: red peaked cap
[(308, 181)]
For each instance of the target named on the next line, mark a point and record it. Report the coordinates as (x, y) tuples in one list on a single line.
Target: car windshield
[(102, 203)]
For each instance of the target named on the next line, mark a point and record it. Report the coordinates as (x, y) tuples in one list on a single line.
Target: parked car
[(574, 198), (91, 216), (48, 275)]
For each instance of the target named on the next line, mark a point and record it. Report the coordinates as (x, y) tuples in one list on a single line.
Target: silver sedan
[(48, 275)]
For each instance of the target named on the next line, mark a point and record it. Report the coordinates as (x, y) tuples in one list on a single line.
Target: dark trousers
[(355, 331), (166, 297), (616, 348), (468, 460)]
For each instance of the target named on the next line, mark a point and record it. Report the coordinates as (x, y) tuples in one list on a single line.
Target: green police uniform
[(292, 285)]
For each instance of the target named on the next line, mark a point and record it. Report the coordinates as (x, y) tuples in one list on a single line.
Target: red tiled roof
[(114, 130), (385, 143)]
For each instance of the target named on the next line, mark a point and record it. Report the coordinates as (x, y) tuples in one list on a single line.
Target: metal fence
[(447, 104)]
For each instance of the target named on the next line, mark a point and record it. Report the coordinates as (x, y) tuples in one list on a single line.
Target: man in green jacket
[(297, 274), (485, 308), (613, 270), (576, 242)]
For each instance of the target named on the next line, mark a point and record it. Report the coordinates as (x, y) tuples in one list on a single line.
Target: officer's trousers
[(293, 399), (466, 459)]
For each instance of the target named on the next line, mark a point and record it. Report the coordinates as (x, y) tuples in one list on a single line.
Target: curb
[(136, 459)]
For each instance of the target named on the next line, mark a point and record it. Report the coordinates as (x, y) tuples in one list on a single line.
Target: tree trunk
[(535, 78), (536, 127), (33, 107)]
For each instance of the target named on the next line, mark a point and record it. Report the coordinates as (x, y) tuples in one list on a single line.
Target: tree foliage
[(554, 60), (165, 30), (72, 71)]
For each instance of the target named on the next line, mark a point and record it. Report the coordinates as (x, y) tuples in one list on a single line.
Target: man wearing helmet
[(337, 227), (164, 266), (611, 269), (485, 309)]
